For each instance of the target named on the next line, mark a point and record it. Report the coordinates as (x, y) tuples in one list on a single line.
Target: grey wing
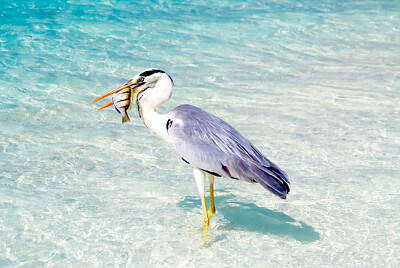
[(209, 143)]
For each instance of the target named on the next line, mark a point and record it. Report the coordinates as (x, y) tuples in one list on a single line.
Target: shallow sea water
[(313, 84)]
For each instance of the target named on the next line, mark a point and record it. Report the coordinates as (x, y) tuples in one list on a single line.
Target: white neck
[(150, 100)]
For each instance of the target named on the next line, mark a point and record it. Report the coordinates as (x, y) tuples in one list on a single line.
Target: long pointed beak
[(116, 90), (105, 106)]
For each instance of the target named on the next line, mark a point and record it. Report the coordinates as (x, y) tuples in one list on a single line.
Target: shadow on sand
[(252, 218)]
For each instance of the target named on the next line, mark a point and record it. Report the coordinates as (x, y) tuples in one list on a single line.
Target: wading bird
[(207, 143)]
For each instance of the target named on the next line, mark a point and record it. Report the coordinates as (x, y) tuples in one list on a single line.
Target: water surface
[(313, 84)]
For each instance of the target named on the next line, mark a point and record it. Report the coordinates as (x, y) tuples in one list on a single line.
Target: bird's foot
[(211, 212), (206, 225)]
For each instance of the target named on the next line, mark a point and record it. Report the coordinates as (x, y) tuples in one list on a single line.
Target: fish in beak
[(122, 99), (122, 102), (115, 90)]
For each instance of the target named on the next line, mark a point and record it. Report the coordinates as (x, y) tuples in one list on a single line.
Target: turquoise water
[(313, 84)]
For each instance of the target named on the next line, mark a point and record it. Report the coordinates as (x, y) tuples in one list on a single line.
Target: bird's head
[(145, 79)]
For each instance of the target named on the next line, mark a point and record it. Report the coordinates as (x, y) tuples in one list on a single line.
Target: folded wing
[(210, 144)]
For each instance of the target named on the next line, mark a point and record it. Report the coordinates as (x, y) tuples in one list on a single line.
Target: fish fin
[(125, 118)]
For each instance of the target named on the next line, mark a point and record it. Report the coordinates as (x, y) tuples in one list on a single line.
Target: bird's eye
[(141, 79)]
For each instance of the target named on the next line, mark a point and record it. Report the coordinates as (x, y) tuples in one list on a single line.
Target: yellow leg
[(211, 211), (206, 221), (212, 204)]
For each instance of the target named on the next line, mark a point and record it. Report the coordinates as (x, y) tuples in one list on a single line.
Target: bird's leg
[(211, 211), (200, 179), (206, 220)]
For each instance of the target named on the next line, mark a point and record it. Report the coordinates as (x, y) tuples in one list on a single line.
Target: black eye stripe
[(154, 71), (150, 72)]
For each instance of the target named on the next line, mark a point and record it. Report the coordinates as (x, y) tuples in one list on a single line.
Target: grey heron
[(207, 143)]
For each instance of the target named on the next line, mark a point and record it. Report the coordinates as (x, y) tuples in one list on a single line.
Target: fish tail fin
[(125, 118)]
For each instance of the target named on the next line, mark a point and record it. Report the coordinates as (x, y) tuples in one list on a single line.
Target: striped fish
[(122, 102)]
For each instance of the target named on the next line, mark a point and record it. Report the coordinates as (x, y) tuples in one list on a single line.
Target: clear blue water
[(313, 84)]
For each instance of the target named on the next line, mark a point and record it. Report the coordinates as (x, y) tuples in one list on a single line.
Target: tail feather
[(277, 175), (274, 168), (272, 180)]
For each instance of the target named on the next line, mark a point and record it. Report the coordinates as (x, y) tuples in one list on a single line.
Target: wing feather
[(209, 143)]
